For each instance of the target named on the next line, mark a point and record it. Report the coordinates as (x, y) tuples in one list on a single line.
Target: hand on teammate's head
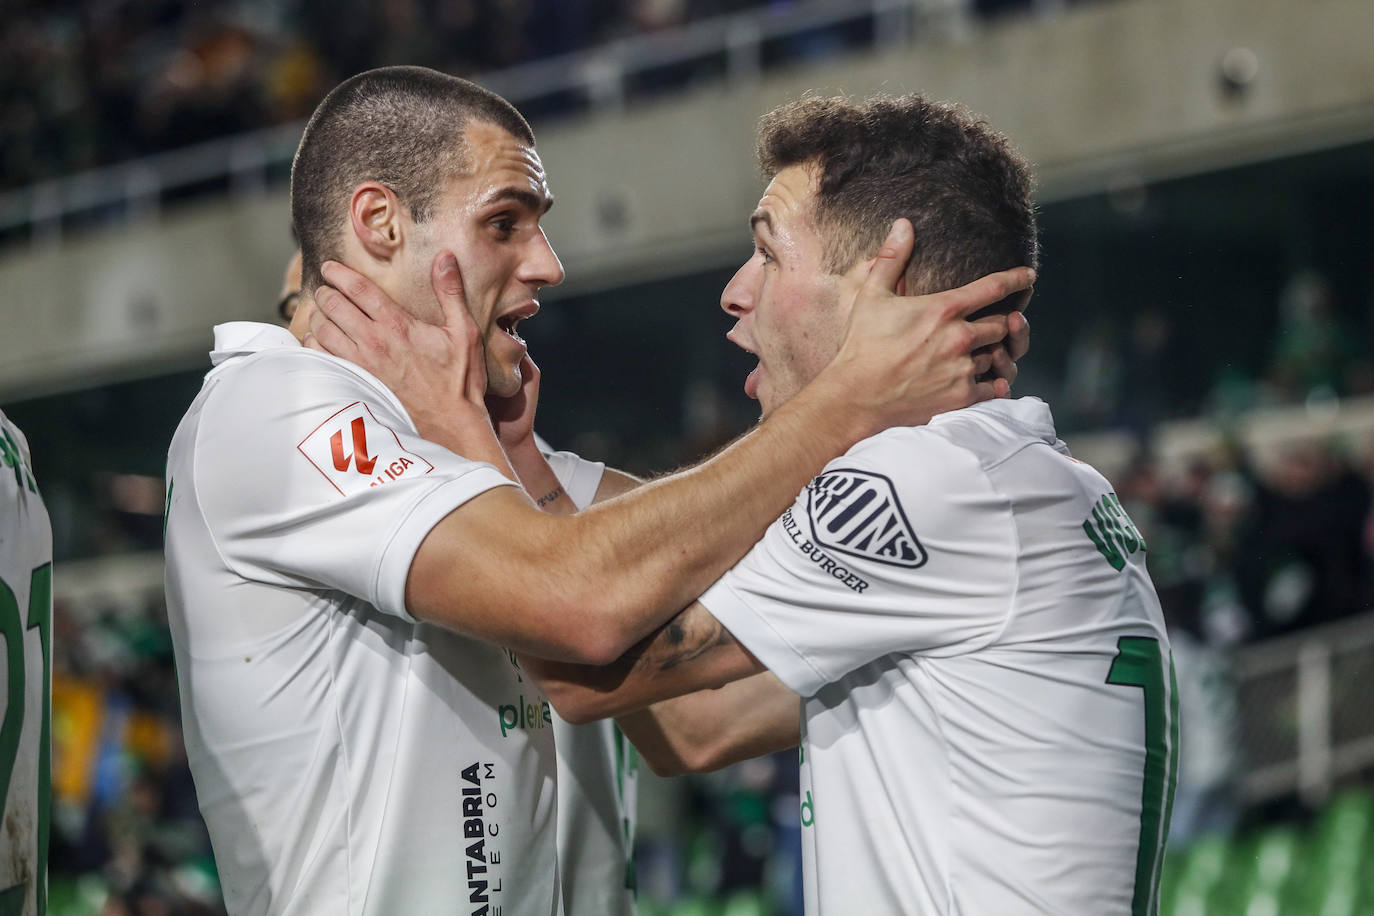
[(908, 358)]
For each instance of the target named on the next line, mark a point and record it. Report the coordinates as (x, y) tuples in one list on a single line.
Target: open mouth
[(507, 323)]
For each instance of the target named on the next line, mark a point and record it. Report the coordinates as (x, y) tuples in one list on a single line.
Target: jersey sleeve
[(310, 476), (902, 545), (580, 478)]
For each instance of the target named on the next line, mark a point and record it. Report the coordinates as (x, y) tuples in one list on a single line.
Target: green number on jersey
[(1139, 663), (12, 628)]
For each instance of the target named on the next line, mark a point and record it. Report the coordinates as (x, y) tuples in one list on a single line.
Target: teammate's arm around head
[(690, 697), (585, 588)]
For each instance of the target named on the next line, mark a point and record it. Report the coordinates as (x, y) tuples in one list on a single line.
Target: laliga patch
[(857, 513), (354, 450)]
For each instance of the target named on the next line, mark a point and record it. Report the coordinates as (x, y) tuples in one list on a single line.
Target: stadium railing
[(1306, 722), (735, 47)]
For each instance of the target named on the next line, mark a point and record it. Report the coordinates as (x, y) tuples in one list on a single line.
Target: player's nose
[(738, 298), (542, 268)]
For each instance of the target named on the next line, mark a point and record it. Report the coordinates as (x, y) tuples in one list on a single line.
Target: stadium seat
[(1342, 843), (1281, 870), (1200, 867), (696, 906), (746, 903)]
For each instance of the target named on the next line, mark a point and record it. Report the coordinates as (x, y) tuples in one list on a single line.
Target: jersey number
[(12, 627), (1139, 663)]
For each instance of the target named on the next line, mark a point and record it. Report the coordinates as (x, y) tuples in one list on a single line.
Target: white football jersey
[(348, 759), (598, 779), (989, 723), (598, 774), (26, 670)]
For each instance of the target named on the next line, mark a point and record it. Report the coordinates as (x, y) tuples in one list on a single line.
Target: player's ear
[(377, 220), (862, 268)]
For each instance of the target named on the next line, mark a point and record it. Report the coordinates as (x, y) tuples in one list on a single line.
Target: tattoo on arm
[(549, 497), (684, 638), (691, 652)]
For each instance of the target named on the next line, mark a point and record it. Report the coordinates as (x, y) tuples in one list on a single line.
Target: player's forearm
[(704, 731), (653, 550), (539, 480), (586, 588), (692, 652)]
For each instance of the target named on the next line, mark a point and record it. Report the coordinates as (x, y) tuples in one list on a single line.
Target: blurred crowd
[(86, 84), (127, 838), (1244, 546), (1136, 372)]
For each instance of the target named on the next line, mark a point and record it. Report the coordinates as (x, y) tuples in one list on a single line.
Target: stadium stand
[(1315, 868)]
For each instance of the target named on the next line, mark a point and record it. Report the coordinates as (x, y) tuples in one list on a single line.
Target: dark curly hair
[(401, 126), (965, 189)]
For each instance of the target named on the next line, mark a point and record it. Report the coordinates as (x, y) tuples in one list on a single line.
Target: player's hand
[(1002, 356), (438, 371), (513, 417), (905, 359)]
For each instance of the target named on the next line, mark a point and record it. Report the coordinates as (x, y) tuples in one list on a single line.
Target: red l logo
[(364, 463)]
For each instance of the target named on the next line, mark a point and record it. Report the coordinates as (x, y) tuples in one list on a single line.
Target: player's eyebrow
[(761, 216), (540, 203)]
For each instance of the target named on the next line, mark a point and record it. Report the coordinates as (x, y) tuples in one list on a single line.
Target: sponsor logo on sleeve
[(354, 450), (824, 561), (857, 513)]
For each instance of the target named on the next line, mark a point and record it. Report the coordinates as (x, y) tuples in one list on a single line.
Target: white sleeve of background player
[(902, 545), (308, 475), (580, 478)]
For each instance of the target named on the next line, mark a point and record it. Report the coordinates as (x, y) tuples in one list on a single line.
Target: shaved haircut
[(403, 127)]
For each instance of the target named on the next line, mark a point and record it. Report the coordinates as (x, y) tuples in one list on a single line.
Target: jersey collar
[(239, 338), (1031, 414)]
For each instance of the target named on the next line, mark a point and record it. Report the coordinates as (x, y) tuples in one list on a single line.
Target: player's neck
[(300, 321)]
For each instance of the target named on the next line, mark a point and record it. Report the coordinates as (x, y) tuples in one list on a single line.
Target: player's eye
[(763, 253), (504, 226)]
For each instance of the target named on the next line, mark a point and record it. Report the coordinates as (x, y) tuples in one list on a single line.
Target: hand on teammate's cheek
[(513, 417)]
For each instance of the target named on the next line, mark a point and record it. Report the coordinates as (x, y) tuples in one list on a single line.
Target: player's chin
[(503, 380), (766, 404)]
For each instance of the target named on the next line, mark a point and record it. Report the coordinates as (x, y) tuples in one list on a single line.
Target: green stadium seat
[(1201, 868), (1341, 846), (746, 903), (696, 906), (1280, 870), (76, 895)]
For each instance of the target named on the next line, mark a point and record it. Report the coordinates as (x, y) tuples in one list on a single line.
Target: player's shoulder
[(14, 437), (262, 373), (989, 433), (22, 511), (265, 396), (15, 463), (959, 457)]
